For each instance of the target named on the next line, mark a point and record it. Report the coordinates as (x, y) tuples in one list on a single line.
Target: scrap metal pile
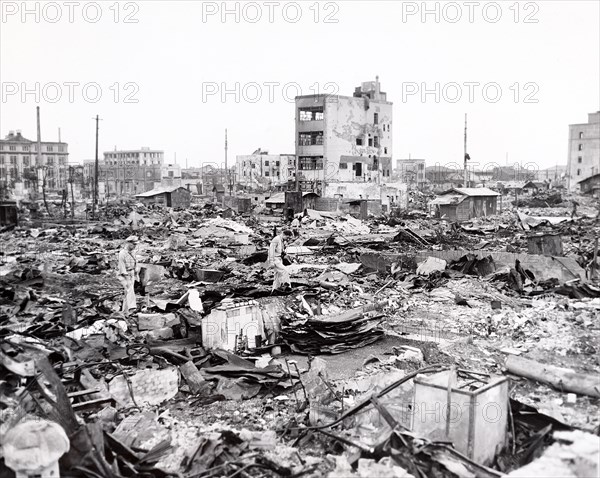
[(217, 375)]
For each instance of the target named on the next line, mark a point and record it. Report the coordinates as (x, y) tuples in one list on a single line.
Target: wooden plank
[(78, 407), (562, 379)]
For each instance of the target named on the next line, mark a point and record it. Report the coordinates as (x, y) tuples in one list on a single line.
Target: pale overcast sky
[(542, 57)]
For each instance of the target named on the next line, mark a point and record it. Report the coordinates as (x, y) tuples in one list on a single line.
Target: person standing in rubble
[(296, 227), (127, 274), (574, 210), (275, 259)]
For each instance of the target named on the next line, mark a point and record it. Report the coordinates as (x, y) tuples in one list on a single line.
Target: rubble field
[(405, 346)]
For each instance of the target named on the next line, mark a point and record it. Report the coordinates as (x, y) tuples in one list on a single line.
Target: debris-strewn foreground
[(405, 347)]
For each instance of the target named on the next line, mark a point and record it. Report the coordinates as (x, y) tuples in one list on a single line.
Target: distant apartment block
[(19, 161), (263, 170), (136, 157), (130, 172), (584, 150), (344, 138), (411, 172)]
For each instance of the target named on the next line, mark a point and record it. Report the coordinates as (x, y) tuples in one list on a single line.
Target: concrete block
[(208, 275), (193, 377), (432, 264), (149, 386), (156, 321), (164, 333)]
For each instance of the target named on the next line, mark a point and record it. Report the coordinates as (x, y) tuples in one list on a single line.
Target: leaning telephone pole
[(95, 203), (466, 155)]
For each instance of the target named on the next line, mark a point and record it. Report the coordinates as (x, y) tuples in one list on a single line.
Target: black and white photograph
[(299, 239)]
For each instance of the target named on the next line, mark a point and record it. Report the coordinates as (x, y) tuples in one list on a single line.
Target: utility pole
[(226, 169), (466, 155), (95, 202)]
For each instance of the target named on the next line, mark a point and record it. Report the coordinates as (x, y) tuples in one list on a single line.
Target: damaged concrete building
[(344, 138)]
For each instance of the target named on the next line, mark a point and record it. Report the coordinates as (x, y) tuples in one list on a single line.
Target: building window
[(266, 163), (49, 148), (371, 142), (314, 138), (384, 150), (25, 148), (12, 148), (343, 165), (580, 147), (13, 160), (376, 142), (579, 159), (61, 149), (581, 135), (376, 118), (266, 173), (276, 163), (171, 174), (310, 162), (311, 114), (25, 161), (579, 172), (359, 141)]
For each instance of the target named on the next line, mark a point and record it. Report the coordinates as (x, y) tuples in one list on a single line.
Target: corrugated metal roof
[(448, 199), (476, 192), (157, 191)]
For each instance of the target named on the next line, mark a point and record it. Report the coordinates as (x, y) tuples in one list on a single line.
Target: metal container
[(478, 418)]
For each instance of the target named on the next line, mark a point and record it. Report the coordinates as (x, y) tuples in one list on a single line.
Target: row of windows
[(253, 165), (311, 114), (373, 142), (311, 139), (50, 149), (132, 155), (267, 174), (62, 160)]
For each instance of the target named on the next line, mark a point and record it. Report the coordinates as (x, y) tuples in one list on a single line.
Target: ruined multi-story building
[(584, 150), (19, 162), (261, 170), (344, 138)]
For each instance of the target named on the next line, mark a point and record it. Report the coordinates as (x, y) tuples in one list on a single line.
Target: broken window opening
[(359, 141), (311, 114), (313, 138), (308, 163)]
